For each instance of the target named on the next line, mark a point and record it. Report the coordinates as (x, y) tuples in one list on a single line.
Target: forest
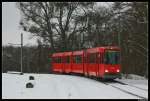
[(69, 26)]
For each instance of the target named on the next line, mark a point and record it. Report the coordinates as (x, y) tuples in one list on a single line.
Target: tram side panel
[(78, 62), (92, 64), (57, 64), (101, 64), (67, 62)]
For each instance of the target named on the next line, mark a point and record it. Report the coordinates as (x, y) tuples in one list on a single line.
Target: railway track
[(115, 81), (125, 88), (131, 85), (129, 92), (117, 84)]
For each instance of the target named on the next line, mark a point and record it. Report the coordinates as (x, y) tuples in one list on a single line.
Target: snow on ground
[(133, 76), (143, 84), (52, 86), (135, 80), (134, 90)]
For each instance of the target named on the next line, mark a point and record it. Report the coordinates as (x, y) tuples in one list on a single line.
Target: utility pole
[(21, 51), (21, 48), (146, 72), (119, 41), (119, 29), (2, 59)]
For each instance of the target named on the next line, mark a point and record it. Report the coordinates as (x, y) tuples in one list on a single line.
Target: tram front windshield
[(112, 57)]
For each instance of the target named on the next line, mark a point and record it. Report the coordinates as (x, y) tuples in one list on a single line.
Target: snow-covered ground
[(52, 86), (143, 84), (136, 81), (133, 77)]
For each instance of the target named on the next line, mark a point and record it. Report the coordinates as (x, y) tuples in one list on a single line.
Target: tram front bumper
[(112, 75)]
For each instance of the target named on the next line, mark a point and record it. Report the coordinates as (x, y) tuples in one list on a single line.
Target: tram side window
[(92, 57), (77, 59), (67, 58), (57, 59)]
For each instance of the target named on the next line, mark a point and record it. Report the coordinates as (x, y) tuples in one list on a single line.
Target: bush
[(29, 85), (31, 77), (21, 73)]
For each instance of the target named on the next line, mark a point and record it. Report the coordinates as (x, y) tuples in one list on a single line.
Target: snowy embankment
[(49, 86)]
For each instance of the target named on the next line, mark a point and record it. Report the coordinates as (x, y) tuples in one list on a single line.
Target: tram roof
[(78, 52)]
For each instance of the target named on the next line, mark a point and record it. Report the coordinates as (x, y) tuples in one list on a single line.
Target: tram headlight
[(118, 70), (106, 71)]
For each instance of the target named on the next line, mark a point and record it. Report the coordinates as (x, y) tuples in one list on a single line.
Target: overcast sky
[(10, 25), (11, 33)]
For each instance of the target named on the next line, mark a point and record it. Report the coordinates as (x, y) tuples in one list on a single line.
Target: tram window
[(57, 59), (92, 57), (112, 57), (67, 58), (77, 59)]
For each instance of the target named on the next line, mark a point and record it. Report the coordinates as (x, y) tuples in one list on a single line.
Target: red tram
[(101, 62)]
